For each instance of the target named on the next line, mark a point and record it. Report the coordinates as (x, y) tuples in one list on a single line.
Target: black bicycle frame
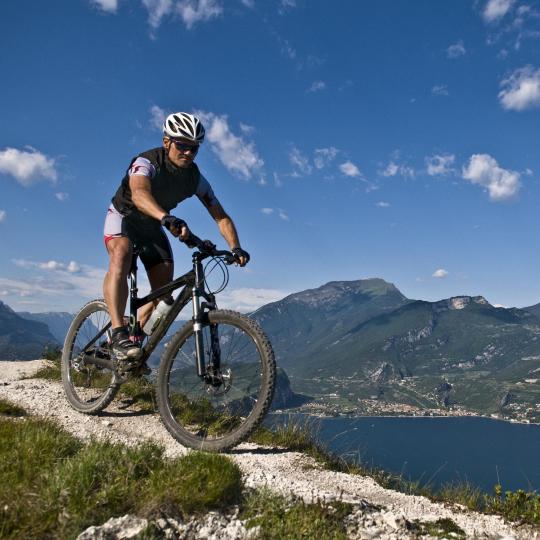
[(193, 283)]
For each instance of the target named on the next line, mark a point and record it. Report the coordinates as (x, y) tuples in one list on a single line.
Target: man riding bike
[(156, 181)]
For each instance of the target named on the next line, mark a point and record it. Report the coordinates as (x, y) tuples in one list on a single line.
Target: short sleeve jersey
[(170, 184)]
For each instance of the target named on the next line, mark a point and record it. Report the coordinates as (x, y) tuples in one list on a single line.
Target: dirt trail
[(282, 471)]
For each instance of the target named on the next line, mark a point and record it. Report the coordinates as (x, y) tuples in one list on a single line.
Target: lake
[(436, 450)]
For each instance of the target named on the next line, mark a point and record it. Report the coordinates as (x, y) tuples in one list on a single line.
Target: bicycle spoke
[(216, 409), (87, 384)]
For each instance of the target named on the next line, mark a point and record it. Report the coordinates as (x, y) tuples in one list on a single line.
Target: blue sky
[(359, 139)]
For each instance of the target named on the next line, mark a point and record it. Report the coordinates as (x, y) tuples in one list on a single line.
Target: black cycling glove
[(190, 241), (239, 252), (174, 222)]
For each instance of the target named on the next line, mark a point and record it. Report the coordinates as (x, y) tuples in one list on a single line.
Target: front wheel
[(217, 412), (89, 386)]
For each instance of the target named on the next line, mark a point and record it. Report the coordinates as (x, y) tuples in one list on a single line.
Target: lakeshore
[(435, 450), (371, 407)]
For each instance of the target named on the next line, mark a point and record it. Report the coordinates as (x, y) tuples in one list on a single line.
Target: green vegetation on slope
[(279, 518), (53, 486), (9, 409)]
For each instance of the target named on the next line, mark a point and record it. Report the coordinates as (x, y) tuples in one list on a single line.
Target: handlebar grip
[(208, 248)]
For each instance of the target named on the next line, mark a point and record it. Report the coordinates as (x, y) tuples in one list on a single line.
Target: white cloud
[(194, 11), (440, 90), (286, 48), (157, 9), (72, 267), (323, 156), (285, 5), (484, 170), (393, 169), (348, 168), (316, 86), (247, 300), (3, 216), (190, 11), (247, 129), (248, 3), (440, 273), (439, 164), (62, 196), (300, 162), (157, 117), (70, 285), (110, 6), (27, 166), (51, 265), (521, 90), (456, 50), (382, 204), (280, 213), (495, 10), (237, 155)]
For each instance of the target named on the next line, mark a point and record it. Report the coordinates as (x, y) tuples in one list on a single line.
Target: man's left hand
[(241, 256)]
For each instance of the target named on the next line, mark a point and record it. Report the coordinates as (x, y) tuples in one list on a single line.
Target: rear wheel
[(89, 387), (218, 412)]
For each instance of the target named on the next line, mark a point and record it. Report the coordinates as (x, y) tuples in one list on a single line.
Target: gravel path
[(282, 471)]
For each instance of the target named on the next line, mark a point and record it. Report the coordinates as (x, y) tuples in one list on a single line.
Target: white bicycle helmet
[(184, 125)]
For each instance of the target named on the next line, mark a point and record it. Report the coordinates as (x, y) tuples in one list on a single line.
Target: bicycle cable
[(218, 263)]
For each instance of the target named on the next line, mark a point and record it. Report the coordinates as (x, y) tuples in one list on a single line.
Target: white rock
[(121, 528)]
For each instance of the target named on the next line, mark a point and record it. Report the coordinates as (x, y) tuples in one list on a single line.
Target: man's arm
[(226, 228), (142, 198)]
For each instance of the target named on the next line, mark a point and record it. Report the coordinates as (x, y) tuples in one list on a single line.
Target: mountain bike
[(216, 377)]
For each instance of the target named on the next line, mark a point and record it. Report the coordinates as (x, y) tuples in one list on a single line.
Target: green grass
[(141, 392), (278, 517), (53, 486), (442, 528), (298, 437), (9, 409), (515, 505), (50, 371)]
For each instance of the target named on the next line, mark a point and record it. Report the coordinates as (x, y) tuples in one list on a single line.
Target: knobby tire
[(263, 367), (105, 381)]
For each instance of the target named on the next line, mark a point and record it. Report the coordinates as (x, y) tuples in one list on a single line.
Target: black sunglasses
[(184, 147)]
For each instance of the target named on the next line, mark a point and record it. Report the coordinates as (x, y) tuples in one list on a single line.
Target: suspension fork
[(199, 321), (198, 317)]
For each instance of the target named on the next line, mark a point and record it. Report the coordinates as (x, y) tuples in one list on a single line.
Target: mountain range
[(353, 340), (348, 341), (20, 338)]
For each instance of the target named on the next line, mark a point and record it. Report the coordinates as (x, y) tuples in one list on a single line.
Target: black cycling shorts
[(146, 234)]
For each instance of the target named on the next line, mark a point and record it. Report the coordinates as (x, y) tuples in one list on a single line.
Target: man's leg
[(115, 287), (158, 275)]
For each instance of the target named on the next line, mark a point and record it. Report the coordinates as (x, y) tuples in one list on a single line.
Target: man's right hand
[(176, 226)]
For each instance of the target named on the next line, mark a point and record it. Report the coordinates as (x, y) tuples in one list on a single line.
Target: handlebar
[(208, 249)]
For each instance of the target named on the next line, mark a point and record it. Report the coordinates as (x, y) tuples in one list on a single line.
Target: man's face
[(181, 152)]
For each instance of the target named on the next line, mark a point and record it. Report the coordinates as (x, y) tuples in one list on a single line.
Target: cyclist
[(156, 181)]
